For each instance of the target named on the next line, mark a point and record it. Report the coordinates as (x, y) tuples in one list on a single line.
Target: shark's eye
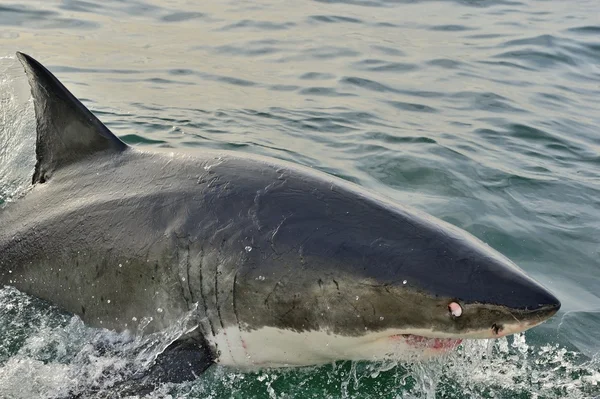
[(455, 309)]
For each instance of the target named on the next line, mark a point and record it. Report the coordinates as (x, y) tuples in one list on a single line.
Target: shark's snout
[(528, 319), (522, 292), (547, 305), (523, 298)]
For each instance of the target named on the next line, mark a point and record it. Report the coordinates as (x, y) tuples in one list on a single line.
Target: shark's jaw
[(419, 342), (268, 347)]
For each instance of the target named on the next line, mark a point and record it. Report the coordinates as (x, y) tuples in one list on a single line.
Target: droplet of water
[(248, 248), (404, 282), (159, 310)]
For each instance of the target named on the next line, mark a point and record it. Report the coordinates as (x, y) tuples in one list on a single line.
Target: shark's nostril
[(497, 328)]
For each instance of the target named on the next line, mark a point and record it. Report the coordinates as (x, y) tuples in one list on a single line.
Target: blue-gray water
[(484, 113)]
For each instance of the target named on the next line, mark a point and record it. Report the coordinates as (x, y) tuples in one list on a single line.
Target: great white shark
[(281, 265)]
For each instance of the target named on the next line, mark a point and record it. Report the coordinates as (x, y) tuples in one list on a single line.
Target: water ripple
[(41, 19), (482, 112), (182, 16), (403, 106), (258, 25), (376, 65), (334, 19)]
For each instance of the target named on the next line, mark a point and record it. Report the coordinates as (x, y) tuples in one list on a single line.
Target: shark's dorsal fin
[(66, 130)]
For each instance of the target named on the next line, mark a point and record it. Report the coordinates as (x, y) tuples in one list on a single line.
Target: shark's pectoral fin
[(183, 360), (66, 130)]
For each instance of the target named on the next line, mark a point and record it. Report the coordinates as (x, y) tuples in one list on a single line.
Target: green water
[(484, 113)]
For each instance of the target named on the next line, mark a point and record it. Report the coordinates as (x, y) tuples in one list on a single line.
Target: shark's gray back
[(124, 238), (98, 242)]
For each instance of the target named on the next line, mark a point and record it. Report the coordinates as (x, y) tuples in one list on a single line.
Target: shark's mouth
[(420, 342)]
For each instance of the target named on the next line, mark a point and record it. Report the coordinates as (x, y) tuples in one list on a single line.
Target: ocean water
[(483, 113)]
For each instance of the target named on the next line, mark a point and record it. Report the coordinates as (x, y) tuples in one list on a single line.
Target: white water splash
[(45, 353)]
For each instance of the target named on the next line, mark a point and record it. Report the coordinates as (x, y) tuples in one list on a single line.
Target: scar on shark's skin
[(283, 265)]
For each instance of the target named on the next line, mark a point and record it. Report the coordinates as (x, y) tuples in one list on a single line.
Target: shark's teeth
[(430, 343)]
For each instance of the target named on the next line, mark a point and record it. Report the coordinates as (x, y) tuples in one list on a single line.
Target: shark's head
[(338, 273)]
